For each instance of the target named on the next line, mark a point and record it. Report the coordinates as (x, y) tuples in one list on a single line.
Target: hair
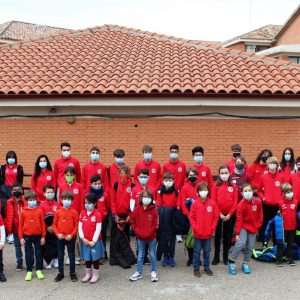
[(64, 144), (11, 154), (37, 168), (67, 194), (48, 186), (174, 147), (297, 160), (283, 163), (91, 198), (124, 169), (168, 176), (246, 185), (143, 171), (197, 149), (147, 148), (95, 148), (242, 158), (219, 181), (17, 184), (95, 178), (191, 170), (272, 160), (261, 153), (203, 185), (70, 169), (286, 187), (148, 193), (119, 153), (29, 194), (236, 147)]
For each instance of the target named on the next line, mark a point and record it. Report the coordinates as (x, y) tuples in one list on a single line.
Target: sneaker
[(245, 268), (39, 275), (67, 261), (19, 267), (179, 238), (165, 261), (172, 262), (28, 276), (10, 239), (73, 277), (209, 272), (188, 263), (48, 267), (77, 261), (2, 277), (136, 276), (279, 263), (197, 273), (154, 277), (232, 269), (146, 261), (59, 277), (291, 263), (55, 263)]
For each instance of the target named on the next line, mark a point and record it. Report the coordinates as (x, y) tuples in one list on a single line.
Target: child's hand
[(222, 216), (85, 241), (22, 242), (117, 219), (42, 241), (127, 219), (50, 229), (1, 246), (60, 236), (68, 237), (237, 237), (92, 243), (227, 218)]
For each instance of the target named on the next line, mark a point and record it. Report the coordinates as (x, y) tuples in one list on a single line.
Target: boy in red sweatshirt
[(249, 216), (65, 227), (204, 216), (32, 232), (144, 222)]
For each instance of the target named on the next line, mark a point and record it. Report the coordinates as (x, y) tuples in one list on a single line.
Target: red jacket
[(46, 177), (144, 222), (204, 174), (13, 211), (167, 200), (49, 207), (270, 188), (226, 198), (103, 205), (294, 180), (189, 190), (89, 223), (120, 198), (91, 169), (249, 216), (137, 189), (155, 176), (178, 169), (76, 189), (239, 180), (61, 164), (286, 172), (231, 165), (288, 209), (255, 172), (32, 222), (204, 217), (114, 173)]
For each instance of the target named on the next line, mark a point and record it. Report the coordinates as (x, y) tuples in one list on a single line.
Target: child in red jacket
[(2, 242), (32, 232), (288, 208), (249, 216), (203, 217), (144, 222)]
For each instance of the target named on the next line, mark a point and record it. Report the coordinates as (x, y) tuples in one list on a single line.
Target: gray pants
[(247, 242)]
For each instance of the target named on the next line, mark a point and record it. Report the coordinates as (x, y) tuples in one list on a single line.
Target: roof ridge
[(8, 25)]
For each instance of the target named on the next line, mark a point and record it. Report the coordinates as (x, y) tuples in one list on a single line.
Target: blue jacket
[(275, 226)]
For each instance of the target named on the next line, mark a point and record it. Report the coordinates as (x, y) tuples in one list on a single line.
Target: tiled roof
[(16, 31), (118, 60)]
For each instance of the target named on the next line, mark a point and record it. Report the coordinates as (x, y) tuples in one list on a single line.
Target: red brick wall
[(31, 137), (292, 34), (238, 47)]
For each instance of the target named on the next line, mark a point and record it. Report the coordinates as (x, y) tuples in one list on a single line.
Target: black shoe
[(73, 277), (189, 263), (59, 277), (291, 263), (216, 260), (146, 261), (2, 277), (225, 261), (19, 267), (279, 263)]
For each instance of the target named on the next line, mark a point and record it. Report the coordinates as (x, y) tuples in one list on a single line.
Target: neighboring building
[(13, 31), (276, 41), (117, 87)]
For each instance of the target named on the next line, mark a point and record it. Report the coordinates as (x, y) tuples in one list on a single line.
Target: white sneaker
[(10, 239), (48, 267), (136, 276), (77, 261), (68, 261), (154, 277), (55, 263), (179, 238)]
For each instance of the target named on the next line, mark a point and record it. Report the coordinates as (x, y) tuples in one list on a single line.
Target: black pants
[(61, 244), (35, 241), (126, 228), (289, 236), (1, 261), (225, 230), (269, 213), (104, 233)]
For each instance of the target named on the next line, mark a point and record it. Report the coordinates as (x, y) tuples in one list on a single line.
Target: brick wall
[(292, 34), (238, 47), (31, 137)]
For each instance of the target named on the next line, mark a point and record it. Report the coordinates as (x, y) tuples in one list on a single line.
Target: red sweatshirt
[(204, 217), (239, 180), (231, 165), (61, 164), (120, 199), (32, 222), (255, 172), (45, 177), (178, 169), (11, 173), (226, 198), (286, 172), (114, 173), (49, 207), (288, 209), (103, 205), (89, 223), (167, 200), (91, 169), (269, 190), (189, 190), (137, 189), (155, 176), (144, 222), (13, 211), (205, 175), (76, 189), (294, 180), (249, 216)]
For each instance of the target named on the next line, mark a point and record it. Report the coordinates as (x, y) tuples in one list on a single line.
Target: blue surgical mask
[(287, 157), (49, 196), (198, 159), (11, 161), (66, 203), (95, 156), (143, 180), (43, 164), (168, 184), (248, 195), (146, 200), (119, 160), (147, 156), (31, 203), (272, 166), (173, 155), (89, 206)]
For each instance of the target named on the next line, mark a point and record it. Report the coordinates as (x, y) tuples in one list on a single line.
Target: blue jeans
[(200, 244), (141, 254), (61, 254), (33, 240), (18, 249)]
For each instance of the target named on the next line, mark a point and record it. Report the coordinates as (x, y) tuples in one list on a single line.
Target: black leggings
[(289, 236), (269, 213), (95, 263)]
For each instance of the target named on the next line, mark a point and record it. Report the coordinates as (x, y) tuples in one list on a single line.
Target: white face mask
[(224, 177), (289, 195), (203, 194), (146, 200), (272, 167), (66, 154), (248, 195), (168, 184)]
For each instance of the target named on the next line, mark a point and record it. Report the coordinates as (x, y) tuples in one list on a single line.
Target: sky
[(211, 20)]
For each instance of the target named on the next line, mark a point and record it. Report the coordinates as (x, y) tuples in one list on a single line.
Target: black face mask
[(264, 158), (236, 154), (17, 193), (192, 179), (239, 166)]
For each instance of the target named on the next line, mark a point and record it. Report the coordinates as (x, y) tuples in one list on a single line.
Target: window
[(294, 59), (250, 48), (255, 48), (261, 48)]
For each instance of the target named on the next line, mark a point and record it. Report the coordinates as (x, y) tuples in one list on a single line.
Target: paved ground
[(266, 282)]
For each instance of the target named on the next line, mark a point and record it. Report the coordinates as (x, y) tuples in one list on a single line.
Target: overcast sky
[(214, 20)]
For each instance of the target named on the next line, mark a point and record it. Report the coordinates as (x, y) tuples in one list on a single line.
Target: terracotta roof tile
[(118, 60)]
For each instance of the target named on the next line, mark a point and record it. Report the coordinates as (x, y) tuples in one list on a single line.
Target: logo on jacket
[(149, 218), (128, 190), (203, 174), (293, 206), (71, 165), (99, 171), (277, 183), (209, 208), (254, 208), (49, 177), (54, 208), (93, 219), (230, 189), (179, 169), (75, 191), (153, 171), (101, 199), (234, 181)]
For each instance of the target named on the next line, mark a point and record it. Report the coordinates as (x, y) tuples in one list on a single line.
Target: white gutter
[(253, 41)]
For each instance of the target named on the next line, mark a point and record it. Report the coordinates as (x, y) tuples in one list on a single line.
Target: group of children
[(70, 208)]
